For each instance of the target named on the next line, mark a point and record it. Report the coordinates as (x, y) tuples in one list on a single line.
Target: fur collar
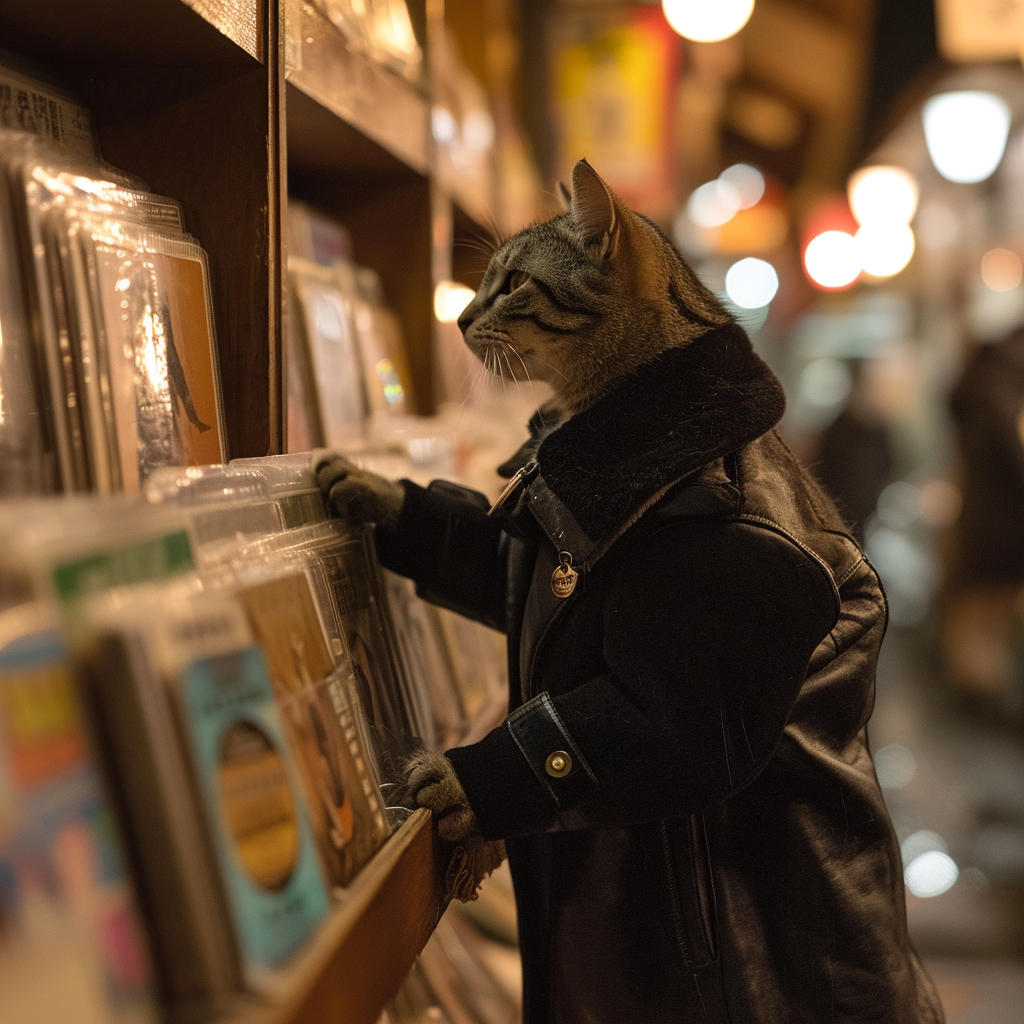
[(670, 418)]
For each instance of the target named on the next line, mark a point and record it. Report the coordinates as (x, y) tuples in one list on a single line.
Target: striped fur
[(586, 298)]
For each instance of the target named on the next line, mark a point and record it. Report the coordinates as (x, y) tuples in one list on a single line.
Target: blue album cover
[(256, 811)]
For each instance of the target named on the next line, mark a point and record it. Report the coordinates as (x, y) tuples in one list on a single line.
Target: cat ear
[(594, 210), (564, 197)]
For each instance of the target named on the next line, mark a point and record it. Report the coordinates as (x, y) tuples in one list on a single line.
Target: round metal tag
[(563, 579)]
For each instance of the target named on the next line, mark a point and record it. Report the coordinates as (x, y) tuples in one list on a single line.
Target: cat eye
[(516, 279)]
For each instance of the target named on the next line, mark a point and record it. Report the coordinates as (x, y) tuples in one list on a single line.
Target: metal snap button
[(558, 764)]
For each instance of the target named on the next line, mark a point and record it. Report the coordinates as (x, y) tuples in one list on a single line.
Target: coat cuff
[(524, 774)]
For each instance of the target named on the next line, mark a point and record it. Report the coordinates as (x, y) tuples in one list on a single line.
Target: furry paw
[(357, 494), (470, 864), (431, 782)]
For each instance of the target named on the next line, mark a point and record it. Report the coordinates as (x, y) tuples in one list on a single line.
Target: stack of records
[(109, 362)]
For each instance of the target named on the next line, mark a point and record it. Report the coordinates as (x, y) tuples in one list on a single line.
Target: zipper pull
[(510, 488)]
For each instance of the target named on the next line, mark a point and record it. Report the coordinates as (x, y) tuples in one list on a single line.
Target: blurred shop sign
[(613, 85), (974, 30)]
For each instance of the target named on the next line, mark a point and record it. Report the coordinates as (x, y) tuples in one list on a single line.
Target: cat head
[(584, 299)]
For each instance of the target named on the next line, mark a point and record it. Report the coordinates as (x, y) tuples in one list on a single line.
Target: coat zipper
[(510, 488)]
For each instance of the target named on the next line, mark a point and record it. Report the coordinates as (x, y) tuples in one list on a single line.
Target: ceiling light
[(884, 249), (966, 134), (831, 259), (883, 194), (705, 22), (751, 283)]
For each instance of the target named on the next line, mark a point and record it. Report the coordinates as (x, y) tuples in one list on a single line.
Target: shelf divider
[(359, 957)]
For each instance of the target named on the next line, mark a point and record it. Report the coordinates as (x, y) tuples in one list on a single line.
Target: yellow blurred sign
[(613, 86), (973, 30)]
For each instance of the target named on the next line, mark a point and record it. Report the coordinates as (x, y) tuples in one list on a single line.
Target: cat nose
[(467, 317)]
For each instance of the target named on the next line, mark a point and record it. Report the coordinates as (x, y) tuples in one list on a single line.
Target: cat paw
[(357, 494), (430, 781)]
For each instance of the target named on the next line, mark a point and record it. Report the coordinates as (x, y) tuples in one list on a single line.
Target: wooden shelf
[(383, 107), (144, 33), (207, 102), (361, 953)]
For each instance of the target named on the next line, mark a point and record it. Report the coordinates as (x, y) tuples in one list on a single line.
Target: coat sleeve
[(455, 553), (707, 633)]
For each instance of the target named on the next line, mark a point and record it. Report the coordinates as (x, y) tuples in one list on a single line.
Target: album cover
[(350, 571), (324, 317), (345, 817), (164, 378), (339, 567), (26, 455), (196, 956), (72, 947), (255, 808), (382, 350)]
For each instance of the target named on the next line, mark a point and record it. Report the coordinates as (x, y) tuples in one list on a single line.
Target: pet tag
[(563, 579)]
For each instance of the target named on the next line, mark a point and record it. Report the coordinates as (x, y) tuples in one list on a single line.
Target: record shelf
[(227, 106)]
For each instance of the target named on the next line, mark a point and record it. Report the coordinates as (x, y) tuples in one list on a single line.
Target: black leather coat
[(693, 821)]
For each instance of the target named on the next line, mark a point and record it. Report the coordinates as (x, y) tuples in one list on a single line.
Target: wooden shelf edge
[(384, 107), (358, 958), (239, 20)]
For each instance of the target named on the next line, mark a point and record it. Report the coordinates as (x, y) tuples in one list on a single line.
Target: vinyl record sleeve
[(324, 315), (340, 565), (197, 959), (285, 623), (254, 804), (381, 348), (26, 447), (73, 947), (164, 377), (42, 192)]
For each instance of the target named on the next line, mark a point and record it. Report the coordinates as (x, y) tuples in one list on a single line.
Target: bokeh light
[(751, 283), (966, 134), (713, 204), (450, 299), (931, 874), (1001, 269), (884, 248), (831, 259), (705, 22), (883, 194), (895, 766), (748, 182)]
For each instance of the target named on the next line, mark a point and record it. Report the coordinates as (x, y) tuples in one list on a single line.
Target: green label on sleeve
[(143, 562)]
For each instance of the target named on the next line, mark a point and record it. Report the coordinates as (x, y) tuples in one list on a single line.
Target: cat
[(683, 781)]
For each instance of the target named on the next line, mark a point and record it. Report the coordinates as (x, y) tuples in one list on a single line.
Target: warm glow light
[(450, 299), (831, 259), (966, 134), (707, 21), (713, 204), (884, 248), (883, 194), (1001, 269), (751, 283), (748, 182)]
